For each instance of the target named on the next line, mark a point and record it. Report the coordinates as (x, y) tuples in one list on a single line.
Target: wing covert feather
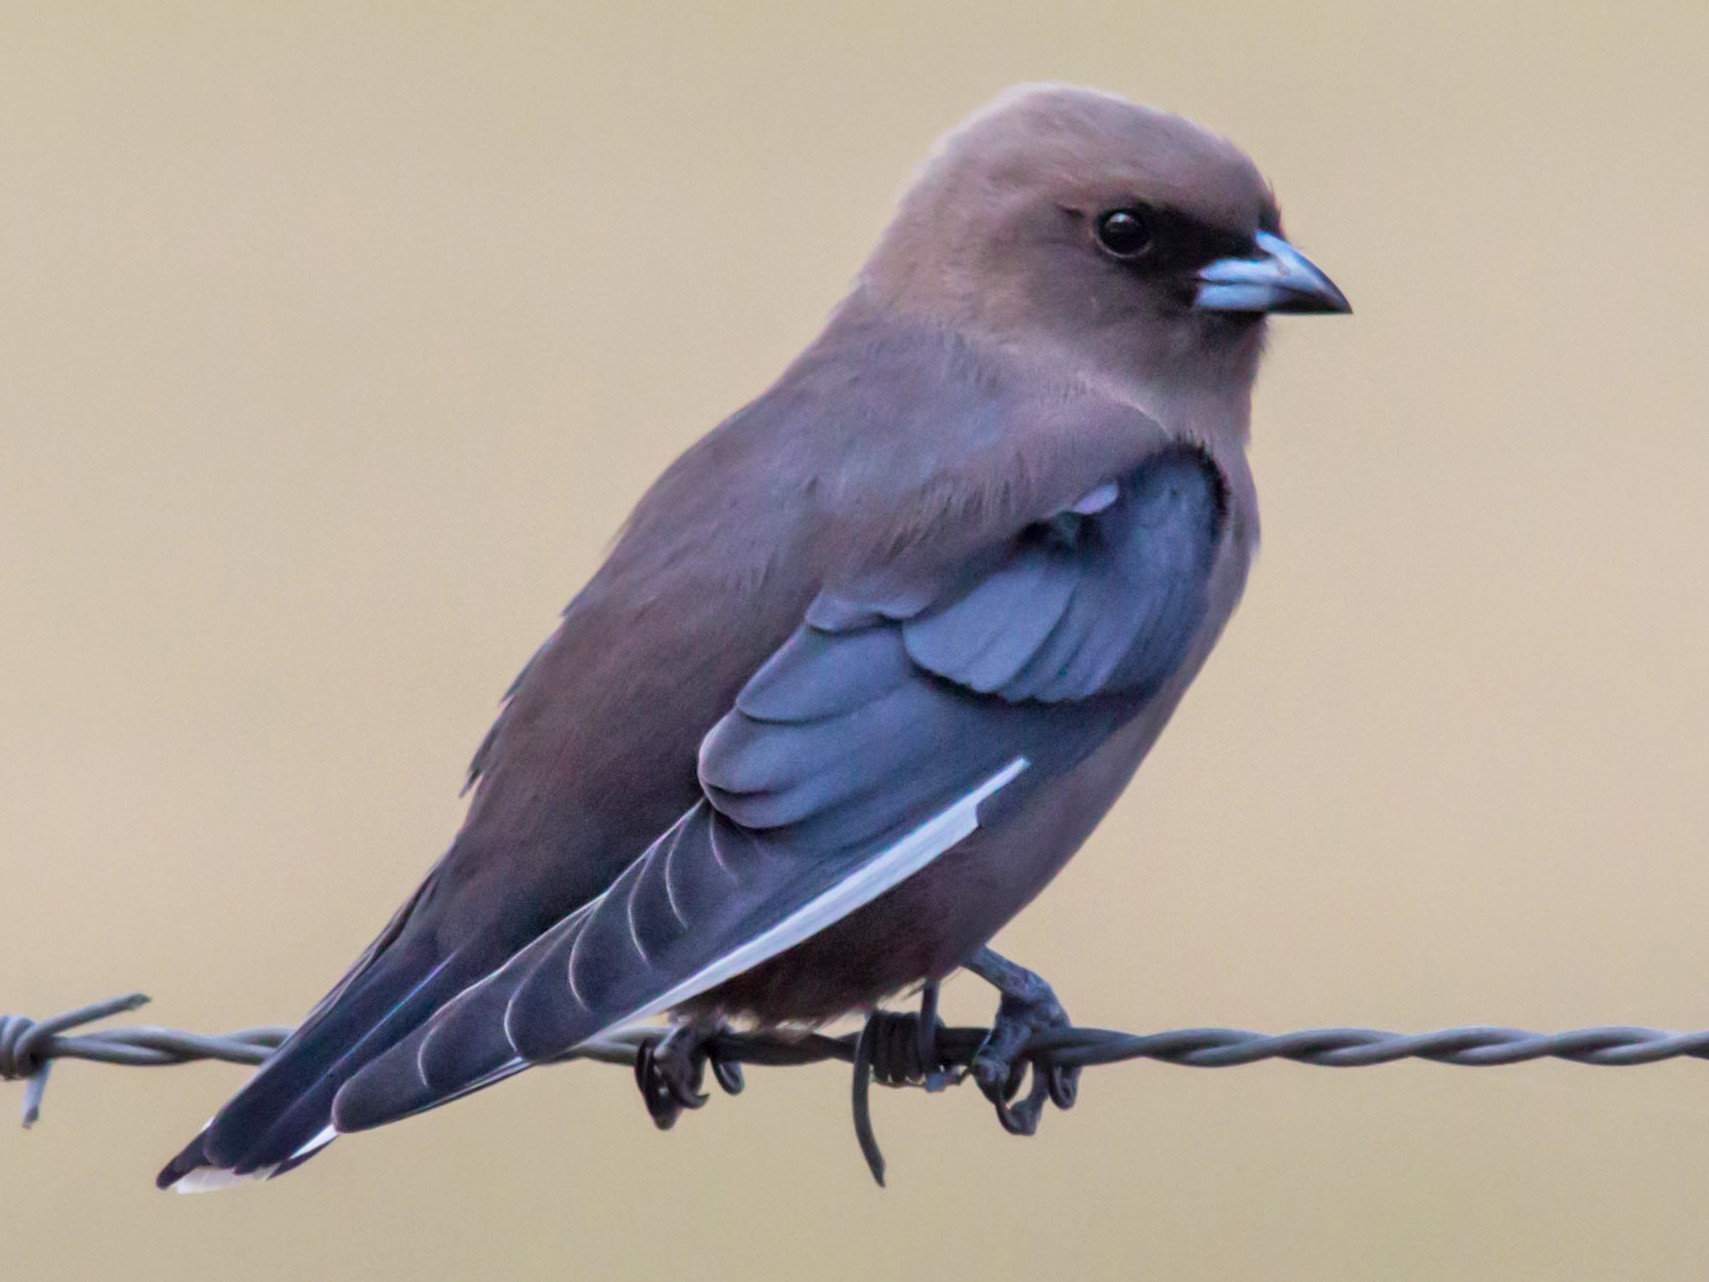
[(861, 750)]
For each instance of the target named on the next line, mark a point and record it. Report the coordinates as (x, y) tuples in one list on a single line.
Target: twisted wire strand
[(892, 1049), (29, 1047)]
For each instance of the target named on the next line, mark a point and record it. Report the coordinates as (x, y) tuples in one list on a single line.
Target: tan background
[(333, 347)]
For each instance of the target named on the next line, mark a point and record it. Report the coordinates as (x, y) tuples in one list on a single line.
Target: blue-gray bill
[(1277, 278)]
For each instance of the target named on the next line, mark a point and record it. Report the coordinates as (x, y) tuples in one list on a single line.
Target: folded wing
[(896, 719)]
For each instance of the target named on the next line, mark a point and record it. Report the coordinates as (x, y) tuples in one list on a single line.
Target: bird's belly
[(933, 922)]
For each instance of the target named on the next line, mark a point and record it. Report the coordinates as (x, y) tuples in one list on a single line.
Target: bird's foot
[(670, 1070), (1028, 1007)]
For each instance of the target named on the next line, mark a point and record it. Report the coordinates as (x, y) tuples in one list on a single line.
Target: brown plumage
[(997, 512)]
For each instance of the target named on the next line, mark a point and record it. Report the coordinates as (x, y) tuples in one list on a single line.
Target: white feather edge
[(211, 1179), (889, 868), (877, 875)]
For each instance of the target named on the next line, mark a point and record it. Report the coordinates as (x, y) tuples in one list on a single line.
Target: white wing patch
[(887, 869), (895, 865)]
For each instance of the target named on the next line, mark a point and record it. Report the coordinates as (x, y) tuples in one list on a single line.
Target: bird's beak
[(1277, 278)]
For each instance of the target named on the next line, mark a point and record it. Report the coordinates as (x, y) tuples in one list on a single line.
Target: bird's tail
[(283, 1115)]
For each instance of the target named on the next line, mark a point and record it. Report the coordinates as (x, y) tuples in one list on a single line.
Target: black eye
[(1126, 233)]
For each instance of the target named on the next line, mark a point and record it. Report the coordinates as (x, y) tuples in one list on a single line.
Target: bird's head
[(1134, 240)]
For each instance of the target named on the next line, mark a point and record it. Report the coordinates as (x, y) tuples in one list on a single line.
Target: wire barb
[(29, 1047), (892, 1049)]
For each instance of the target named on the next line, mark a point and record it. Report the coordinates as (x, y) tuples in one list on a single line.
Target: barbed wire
[(892, 1049)]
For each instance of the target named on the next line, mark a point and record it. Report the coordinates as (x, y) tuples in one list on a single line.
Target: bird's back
[(594, 752)]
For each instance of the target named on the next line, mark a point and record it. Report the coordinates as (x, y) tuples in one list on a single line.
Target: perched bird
[(868, 663)]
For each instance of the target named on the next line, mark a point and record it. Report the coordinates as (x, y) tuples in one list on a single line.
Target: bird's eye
[(1126, 233)]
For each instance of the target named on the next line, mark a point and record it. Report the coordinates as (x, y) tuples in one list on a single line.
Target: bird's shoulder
[(891, 446)]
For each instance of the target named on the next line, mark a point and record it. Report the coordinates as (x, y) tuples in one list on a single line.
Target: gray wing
[(896, 719)]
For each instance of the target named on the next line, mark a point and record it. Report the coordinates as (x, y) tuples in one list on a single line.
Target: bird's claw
[(1052, 1082), (1000, 1066), (670, 1070)]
